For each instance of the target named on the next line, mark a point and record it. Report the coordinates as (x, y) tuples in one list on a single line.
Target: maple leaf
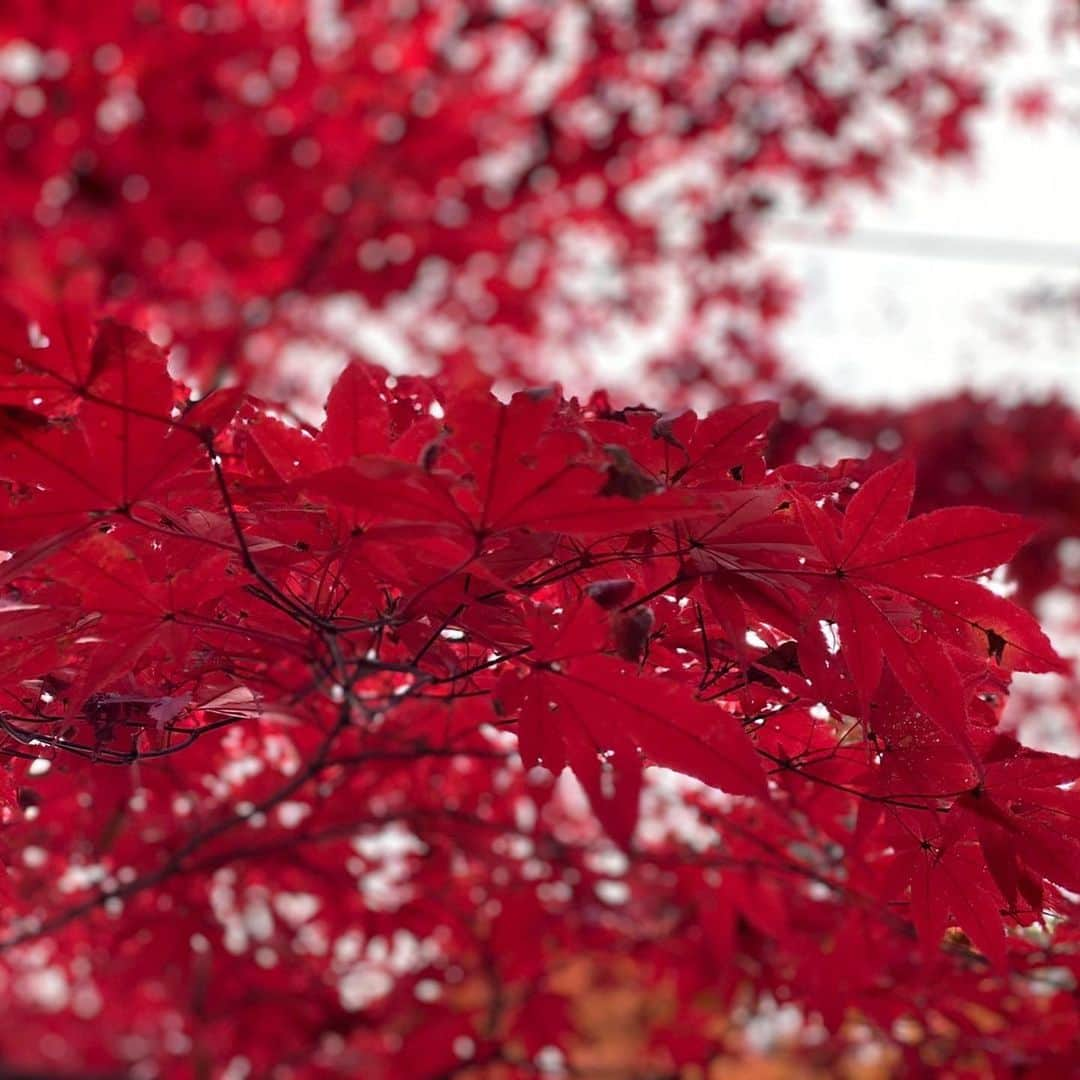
[(892, 586), (588, 711), (1023, 814), (119, 447)]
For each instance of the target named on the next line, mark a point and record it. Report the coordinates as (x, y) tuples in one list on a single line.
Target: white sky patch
[(920, 297)]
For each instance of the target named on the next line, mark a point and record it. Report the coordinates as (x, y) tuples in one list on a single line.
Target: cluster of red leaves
[(294, 717), (520, 177)]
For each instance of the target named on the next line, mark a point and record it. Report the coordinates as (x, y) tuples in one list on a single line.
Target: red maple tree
[(402, 743)]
